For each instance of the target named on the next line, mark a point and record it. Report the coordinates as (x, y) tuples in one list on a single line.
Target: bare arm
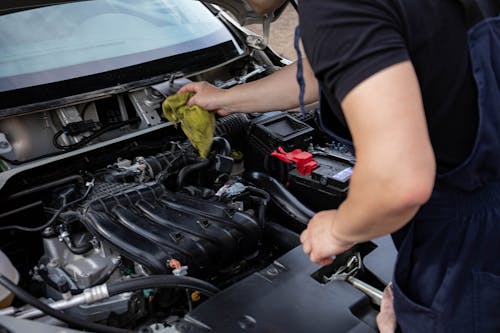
[(265, 6), (395, 166), (278, 91)]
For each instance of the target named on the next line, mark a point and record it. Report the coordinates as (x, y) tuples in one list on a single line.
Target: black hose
[(263, 200), (233, 127), (82, 249), (285, 200), (73, 322), (223, 145), (162, 281), (189, 169), (21, 209)]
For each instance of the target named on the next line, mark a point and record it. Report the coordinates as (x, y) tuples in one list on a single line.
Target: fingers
[(318, 242), (313, 255), (190, 87), (388, 296), (306, 245), (319, 259), (386, 319), (205, 95), (193, 87), (326, 261)]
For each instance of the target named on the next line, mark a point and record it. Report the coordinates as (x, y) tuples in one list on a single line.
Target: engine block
[(152, 226)]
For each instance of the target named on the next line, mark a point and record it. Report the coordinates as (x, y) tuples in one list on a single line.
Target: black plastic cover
[(151, 225), (284, 297)]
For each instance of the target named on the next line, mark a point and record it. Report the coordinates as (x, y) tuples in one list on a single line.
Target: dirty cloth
[(197, 123)]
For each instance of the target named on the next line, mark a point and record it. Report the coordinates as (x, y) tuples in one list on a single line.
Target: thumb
[(192, 101)]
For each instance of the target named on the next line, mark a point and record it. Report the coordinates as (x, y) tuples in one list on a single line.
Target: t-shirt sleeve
[(348, 41)]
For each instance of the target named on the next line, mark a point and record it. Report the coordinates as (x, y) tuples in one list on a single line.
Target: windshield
[(65, 41)]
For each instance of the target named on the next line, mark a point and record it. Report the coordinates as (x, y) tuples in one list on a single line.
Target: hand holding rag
[(197, 123)]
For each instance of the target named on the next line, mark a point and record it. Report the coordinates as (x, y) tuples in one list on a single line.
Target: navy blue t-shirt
[(347, 41)]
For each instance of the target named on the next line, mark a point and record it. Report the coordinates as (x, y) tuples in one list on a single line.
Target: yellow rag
[(197, 123)]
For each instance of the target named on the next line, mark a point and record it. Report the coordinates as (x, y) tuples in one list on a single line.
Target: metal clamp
[(347, 272)]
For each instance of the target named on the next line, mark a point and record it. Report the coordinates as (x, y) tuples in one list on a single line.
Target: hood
[(239, 8), (244, 13)]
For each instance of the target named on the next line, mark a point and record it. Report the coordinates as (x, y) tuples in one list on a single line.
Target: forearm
[(373, 209), (265, 6), (279, 91)]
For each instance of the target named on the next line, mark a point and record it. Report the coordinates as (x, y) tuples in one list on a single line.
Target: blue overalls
[(447, 275)]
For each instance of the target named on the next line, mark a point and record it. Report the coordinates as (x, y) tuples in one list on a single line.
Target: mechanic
[(397, 75)]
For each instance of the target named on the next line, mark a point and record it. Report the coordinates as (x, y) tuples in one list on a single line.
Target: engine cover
[(151, 225)]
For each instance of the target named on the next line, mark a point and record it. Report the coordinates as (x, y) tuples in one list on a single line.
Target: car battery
[(326, 187), (270, 131)]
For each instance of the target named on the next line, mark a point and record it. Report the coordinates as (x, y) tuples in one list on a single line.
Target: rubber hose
[(223, 144), (162, 281), (233, 127), (263, 199), (189, 169), (285, 200), (82, 249), (73, 322)]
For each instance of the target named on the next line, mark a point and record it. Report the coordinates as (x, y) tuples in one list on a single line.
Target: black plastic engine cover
[(285, 297), (151, 225)]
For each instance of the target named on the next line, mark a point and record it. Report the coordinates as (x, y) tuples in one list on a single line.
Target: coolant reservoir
[(7, 270)]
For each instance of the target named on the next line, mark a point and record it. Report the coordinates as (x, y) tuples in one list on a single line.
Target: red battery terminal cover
[(303, 160)]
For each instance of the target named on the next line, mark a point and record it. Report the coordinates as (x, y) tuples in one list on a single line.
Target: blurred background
[(282, 32)]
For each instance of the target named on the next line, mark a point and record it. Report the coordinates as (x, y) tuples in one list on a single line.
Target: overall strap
[(300, 70)]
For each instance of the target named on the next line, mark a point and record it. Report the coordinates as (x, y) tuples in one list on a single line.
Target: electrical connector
[(303, 160)]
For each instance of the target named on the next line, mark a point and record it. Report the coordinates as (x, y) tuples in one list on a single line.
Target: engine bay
[(106, 191)]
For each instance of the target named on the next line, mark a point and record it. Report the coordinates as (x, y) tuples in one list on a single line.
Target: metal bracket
[(258, 42)]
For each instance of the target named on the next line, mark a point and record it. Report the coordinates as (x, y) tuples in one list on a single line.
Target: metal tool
[(347, 272)]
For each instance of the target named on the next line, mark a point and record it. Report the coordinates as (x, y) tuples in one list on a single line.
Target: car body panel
[(239, 8)]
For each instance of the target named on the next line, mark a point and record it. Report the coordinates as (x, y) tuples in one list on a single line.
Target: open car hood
[(241, 10), (244, 13)]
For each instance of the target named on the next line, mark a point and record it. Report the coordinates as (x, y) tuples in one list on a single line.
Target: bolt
[(273, 271)]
